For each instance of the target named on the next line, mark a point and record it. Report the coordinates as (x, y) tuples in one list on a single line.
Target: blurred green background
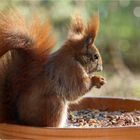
[(118, 39)]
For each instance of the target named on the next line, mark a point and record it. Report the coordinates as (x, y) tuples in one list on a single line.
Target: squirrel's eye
[(96, 56)]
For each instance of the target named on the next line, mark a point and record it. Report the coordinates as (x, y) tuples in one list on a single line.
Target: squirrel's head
[(81, 41)]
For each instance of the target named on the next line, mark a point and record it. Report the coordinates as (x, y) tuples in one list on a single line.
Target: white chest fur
[(64, 116)]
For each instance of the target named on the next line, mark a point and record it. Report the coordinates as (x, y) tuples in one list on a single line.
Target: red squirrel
[(36, 86)]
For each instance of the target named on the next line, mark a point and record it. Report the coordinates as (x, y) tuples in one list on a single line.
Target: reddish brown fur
[(36, 86)]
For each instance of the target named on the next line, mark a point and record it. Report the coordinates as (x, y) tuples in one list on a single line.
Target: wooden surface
[(120, 133)]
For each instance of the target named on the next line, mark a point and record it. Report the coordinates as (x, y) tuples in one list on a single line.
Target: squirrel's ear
[(92, 30), (88, 41), (77, 28)]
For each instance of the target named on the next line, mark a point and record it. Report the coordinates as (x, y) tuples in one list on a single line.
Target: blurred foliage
[(119, 35)]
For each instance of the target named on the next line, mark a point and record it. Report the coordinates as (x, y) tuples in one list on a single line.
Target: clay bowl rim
[(62, 129), (77, 129), (116, 98)]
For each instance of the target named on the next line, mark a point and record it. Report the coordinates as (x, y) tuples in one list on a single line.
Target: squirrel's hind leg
[(44, 110)]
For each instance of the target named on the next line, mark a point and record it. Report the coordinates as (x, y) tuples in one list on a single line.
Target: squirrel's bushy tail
[(15, 34), (27, 45)]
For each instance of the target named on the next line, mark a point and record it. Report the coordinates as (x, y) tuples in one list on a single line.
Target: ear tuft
[(77, 27), (93, 27)]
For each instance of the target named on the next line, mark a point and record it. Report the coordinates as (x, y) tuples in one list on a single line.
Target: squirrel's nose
[(99, 68)]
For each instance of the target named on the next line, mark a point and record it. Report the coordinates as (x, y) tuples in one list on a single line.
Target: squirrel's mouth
[(91, 70), (94, 68), (99, 67)]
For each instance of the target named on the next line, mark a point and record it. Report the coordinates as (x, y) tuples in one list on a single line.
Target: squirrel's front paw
[(98, 81)]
